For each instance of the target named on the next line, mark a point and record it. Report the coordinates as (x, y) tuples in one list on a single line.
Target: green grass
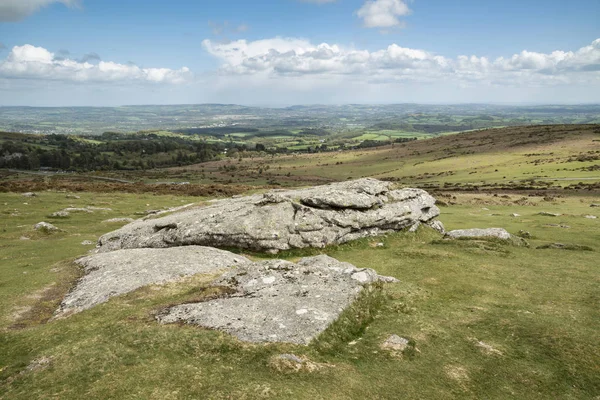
[(536, 308)]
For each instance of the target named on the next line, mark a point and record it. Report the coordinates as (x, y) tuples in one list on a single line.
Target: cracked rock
[(119, 272), (279, 301), (286, 219)]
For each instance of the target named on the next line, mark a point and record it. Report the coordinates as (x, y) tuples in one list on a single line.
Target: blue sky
[(280, 52)]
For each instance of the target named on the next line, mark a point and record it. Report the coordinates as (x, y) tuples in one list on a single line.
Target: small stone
[(60, 214), (396, 343), (87, 242), (114, 220), (591, 217), (524, 234), (29, 194), (515, 215), (45, 226), (72, 196), (549, 214), (594, 205)]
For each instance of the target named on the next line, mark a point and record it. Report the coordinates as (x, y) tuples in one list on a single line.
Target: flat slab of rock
[(119, 272), (282, 220), (279, 301), (474, 233), (486, 233)]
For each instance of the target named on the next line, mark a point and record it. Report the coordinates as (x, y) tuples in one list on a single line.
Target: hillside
[(556, 155)]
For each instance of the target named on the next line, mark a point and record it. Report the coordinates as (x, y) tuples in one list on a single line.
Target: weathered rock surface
[(60, 214), (395, 342), (281, 220), (474, 233), (549, 214), (45, 226), (279, 301), (119, 272), (113, 220)]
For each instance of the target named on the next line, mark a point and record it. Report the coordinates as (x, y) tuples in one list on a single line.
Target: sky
[(286, 52)]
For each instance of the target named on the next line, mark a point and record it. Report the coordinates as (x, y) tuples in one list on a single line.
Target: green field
[(486, 320)]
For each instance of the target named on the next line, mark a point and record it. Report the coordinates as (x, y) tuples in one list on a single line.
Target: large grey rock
[(282, 220), (119, 272), (279, 301)]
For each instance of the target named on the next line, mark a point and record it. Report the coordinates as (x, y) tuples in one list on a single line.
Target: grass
[(538, 156), (485, 320)]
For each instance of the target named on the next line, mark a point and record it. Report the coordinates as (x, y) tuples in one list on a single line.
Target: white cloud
[(15, 10), (383, 13), (30, 62), (286, 57)]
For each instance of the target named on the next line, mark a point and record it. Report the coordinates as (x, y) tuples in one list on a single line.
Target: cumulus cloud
[(383, 13), (30, 62), (16, 10), (284, 57)]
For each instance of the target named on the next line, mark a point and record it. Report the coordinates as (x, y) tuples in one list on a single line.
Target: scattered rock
[(119, 272), (594, 205), (549, 214), (515, 215), (60, 214), (109, 221), (72, 196), (590, 216), (498, 233), (45, 227), (77, 209), (98, 208), (24, 238), (39, 364), (558, 226), (395, 343), (277, 300), (486, 234), (87, 242), (287, 219), (524, 234), (565, 247), (29, 194)]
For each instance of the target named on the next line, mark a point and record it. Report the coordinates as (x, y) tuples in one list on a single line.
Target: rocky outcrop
[(286, 219), (279, 301), (119, 272)]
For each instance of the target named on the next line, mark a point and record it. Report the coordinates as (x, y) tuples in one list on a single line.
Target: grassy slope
[(499, 156), (538, 308)]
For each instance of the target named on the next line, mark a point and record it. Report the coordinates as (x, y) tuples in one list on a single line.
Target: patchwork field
[(484, 319), (536, 157)]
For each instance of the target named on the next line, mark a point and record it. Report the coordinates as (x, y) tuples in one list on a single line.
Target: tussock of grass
[(353, 321)]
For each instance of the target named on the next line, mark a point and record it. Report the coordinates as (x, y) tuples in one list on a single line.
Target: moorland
[(485, 319)]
